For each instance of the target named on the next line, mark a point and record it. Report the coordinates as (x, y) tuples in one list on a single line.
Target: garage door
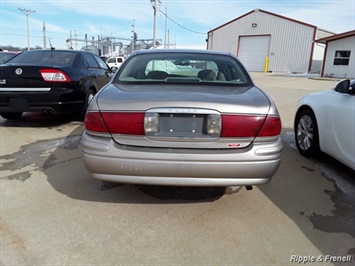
[(253, 50)]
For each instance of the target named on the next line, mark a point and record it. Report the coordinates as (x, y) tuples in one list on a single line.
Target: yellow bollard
[(266, 64)]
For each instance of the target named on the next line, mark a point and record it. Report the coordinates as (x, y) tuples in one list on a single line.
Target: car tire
[(306, 133), (88, 98), (12, 116)]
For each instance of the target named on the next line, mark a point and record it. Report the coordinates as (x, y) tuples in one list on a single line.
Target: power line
[(181, 26)]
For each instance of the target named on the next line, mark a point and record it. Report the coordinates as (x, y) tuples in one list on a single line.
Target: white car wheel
[(306, 133)]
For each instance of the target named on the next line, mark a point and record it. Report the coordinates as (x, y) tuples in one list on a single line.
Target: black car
[(54, 81), (4, 56)]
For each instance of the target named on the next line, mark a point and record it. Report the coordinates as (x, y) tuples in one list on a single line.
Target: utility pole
[(111, 43), (155, 21), (166, 23), (76, 43), (27, 12), (44, 36), (134, 36)]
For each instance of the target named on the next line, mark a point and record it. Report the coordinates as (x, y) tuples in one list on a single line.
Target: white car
[(115, 61), (325, 121)]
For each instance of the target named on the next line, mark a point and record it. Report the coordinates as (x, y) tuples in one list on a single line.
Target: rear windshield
[(189, 68), (45, 57)]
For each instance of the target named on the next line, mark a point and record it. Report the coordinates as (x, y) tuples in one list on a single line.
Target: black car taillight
[(54, 75)]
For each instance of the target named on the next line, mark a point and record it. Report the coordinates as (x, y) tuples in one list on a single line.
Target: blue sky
[(193, 18)]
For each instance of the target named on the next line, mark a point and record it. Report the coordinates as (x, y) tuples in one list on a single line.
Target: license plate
[(177, 124), (18, 102)]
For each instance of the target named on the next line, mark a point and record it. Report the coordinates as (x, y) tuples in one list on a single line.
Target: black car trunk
[(25, 76)]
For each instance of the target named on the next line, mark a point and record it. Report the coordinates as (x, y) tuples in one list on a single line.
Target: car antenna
[(50, 43)]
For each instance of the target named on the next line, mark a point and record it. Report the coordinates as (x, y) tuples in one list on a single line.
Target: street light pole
[(27, 12)]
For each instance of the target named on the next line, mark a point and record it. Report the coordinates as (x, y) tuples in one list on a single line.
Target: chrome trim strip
[(184, 143), (182, 110), (25, 89)]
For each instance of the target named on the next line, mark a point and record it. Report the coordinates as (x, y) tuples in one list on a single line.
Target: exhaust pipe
[(235, 189)]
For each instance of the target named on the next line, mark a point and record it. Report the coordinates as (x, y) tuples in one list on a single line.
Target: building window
[(341, 58)]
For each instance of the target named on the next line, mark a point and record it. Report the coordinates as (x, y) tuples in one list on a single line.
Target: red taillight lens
[(271, 127), (54, 75), (233, 126), (124, 123), (93, 122), (239, 126), (243, 126)]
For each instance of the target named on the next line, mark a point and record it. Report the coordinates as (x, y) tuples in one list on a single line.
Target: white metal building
[(287, 43), (339, 56)]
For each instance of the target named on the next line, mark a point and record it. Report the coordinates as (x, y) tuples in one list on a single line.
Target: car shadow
[(75, 182), (318, 194), (61, 161), (40, 119)]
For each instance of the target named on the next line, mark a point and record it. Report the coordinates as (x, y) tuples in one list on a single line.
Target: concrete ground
[(53, 213)]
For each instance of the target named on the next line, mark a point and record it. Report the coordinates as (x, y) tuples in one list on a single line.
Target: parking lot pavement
[(52, 212)]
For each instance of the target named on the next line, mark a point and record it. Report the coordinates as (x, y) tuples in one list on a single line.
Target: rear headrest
[(207, 74), (156, 74)]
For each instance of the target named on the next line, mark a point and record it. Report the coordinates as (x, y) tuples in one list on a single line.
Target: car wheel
[(88, 98), (13, 116), (306, 133)]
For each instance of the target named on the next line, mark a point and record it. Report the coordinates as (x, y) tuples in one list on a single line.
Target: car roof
[(196, 51), (59, 50)]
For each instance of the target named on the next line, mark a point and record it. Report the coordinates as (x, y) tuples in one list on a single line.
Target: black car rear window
[(44, 57)]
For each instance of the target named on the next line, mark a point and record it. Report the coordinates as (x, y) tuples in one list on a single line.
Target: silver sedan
[(182, 118)]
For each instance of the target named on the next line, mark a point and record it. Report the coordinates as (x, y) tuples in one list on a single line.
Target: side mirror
[(343, 86), (114, 69)]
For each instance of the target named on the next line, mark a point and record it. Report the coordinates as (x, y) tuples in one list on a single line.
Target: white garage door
[(253, 50)]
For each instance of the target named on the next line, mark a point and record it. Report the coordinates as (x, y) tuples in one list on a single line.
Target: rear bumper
[(54, 100), (106, 160)]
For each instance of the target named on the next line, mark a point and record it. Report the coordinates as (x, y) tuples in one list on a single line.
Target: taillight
[(271, 127), (151, 123), (54, 75), (93, 122), (230, 126), (124, 123), (243, 126), (214, 124)]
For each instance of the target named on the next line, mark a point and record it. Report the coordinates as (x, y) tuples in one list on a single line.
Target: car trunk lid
[(202, 117), (30, 76)]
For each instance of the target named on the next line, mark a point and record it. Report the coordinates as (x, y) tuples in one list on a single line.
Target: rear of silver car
[(182, 135)]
